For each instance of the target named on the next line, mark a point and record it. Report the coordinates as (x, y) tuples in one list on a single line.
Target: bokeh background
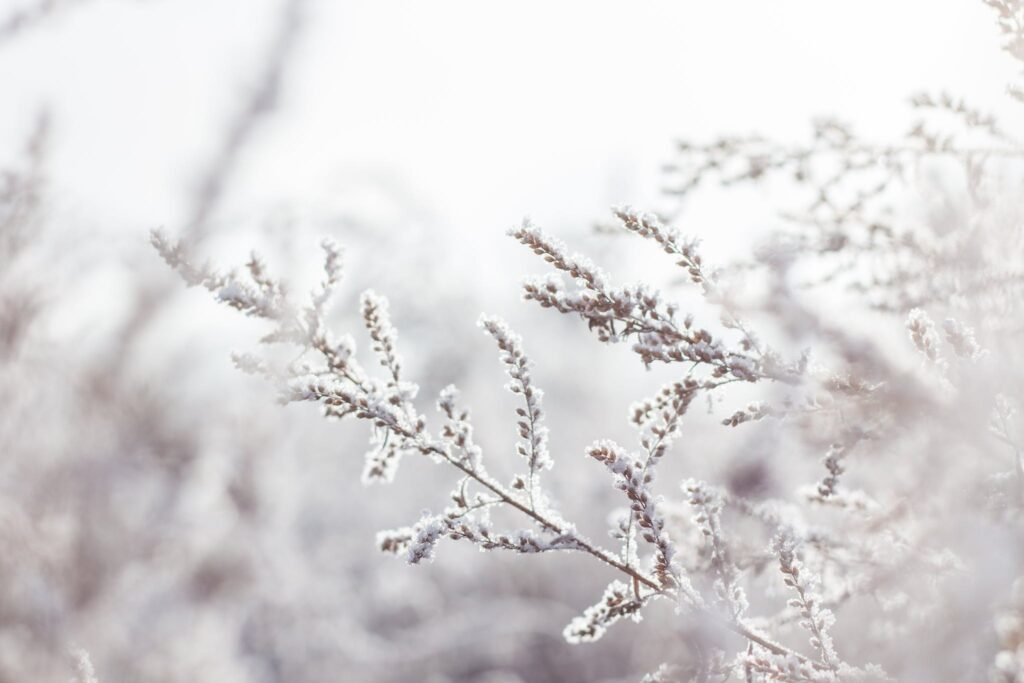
[(157, 508)]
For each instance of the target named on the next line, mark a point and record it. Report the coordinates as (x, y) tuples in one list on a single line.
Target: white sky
[(476, 113)]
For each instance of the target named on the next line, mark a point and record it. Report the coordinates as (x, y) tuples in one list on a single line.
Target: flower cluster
[(934, 444)]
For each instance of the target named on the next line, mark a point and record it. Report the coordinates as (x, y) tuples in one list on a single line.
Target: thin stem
[(735, 625)]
